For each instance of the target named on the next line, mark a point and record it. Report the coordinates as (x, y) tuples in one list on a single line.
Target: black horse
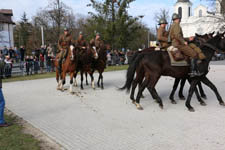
[(157, 63)]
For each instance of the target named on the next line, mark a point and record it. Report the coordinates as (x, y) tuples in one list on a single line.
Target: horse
[(99, 64), (157, 63), (198, 40), (85, 64), (68, 66)]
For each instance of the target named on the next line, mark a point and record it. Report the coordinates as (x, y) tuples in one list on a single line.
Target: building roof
[(5, 16), (6, 12), (183, 1)]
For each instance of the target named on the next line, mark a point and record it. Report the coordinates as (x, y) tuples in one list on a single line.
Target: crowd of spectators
[(39, 60), (116, 58)]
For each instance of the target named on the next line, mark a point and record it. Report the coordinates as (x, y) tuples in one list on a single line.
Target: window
[(200, 13), (180, 12), (189, 11), (1, 27)]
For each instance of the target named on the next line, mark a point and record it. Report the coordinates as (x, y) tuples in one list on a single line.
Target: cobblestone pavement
[(107, 120)]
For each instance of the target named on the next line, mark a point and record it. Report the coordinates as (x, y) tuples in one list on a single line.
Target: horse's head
[(94, 52), (221, 41), (200, 39), (72, 52)]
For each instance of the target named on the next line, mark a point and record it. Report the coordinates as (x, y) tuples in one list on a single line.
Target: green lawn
[(52, 74), (12, 138)]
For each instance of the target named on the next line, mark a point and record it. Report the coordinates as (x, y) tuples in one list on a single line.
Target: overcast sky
[(148, 8)]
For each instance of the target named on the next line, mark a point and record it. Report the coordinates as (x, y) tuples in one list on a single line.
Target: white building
[(6, 28), (200, 20)]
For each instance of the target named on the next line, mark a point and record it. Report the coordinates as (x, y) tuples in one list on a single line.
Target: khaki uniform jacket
[(65, 42), (96, 43), (162, 36), (81, 43), (176, 35)]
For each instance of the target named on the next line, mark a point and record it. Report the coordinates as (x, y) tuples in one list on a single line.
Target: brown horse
[(157, 63), (84, 64), (68, 66)]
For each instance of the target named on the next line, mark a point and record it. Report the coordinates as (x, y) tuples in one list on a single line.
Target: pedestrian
[(2, 100), (8, 66), (36, 65), (42, 62)]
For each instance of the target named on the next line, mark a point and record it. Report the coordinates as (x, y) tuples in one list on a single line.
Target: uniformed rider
[(177, 39), (162, 34), (65, 40)]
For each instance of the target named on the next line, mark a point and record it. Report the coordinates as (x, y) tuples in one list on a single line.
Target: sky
[(148, 8)]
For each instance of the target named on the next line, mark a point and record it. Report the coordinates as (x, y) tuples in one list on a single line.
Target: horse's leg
[(63, 81), (203, 95), (141, 89), (190, 93), (81, 78), (175, 85), (134, 85), (181, 95), (57, 79), (197, 94), (102, 86), (207, 82), (86, 78), (75, 80), (92, 80), (71, 82), (99, 78)]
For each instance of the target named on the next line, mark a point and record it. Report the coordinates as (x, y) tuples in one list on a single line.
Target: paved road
[(106, 119)]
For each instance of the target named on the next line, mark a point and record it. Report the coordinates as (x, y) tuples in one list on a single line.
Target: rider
[(177, 39), (97, 42), (65, 40), (162, 34), (81, 43)]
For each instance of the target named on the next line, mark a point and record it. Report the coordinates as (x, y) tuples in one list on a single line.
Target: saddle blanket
[(174, 62)]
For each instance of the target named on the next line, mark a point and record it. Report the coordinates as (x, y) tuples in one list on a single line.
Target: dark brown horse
[(84, 62), (68, 66), (157, 63), (199, 40)]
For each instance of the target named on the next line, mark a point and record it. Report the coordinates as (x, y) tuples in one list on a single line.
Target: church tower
[(183, 8)]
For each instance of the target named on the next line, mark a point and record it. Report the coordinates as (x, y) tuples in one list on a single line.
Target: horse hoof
[(191, 109), (140, 108), (142, 96), (204, 97), (133, 101), (102, 88), (182, 98), (222, 104), (72, 93), (203, 104), (173, 102), (161, 106)]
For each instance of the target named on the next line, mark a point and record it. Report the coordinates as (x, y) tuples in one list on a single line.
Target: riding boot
[(194, 71)]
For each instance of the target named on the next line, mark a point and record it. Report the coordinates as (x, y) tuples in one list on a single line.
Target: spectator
[(49, 58), (37, 53), (2, 100), (5, 51), (22, 53), (42, 62), (27, 60), (11, 53), (17, 54), (8, 67), (36, 65), (109, 58)]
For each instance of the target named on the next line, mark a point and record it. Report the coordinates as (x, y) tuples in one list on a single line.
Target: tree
[(162, 14), (112, 20)]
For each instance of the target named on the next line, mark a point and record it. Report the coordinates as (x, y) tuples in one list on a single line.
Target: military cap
[(162, 21), (97, 34), (175, 16), (80, 33), (66, 29)]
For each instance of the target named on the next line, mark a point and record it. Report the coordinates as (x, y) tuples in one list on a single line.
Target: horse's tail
[(134, 56), (131, 71)]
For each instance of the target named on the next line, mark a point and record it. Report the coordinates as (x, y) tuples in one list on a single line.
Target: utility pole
[(113, 24), (42, 36)]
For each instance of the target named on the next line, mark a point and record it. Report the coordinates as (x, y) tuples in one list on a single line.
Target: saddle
[(177, 58)]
